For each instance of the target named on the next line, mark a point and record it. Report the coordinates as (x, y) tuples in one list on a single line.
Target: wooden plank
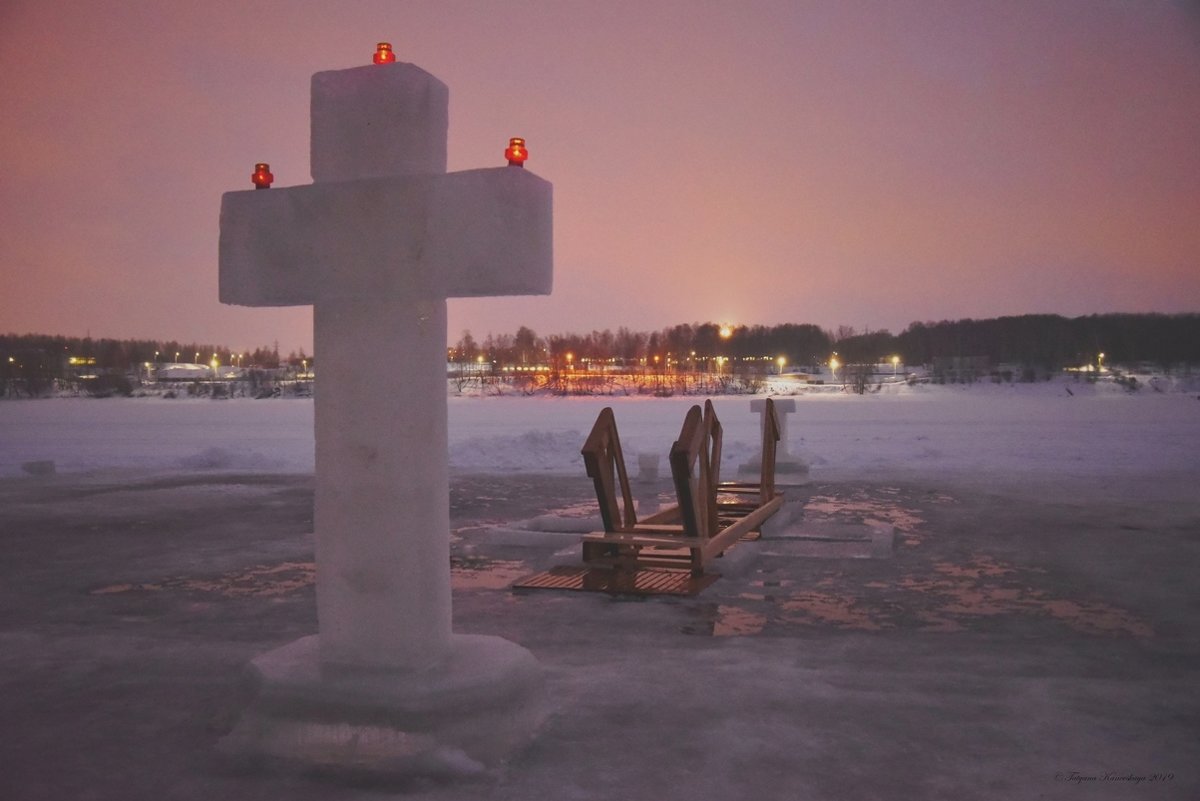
[(727, 537), (651, 581), (644, 540), (669, 515)]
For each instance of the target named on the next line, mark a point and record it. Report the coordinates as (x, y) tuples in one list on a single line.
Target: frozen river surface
[(987, 433)]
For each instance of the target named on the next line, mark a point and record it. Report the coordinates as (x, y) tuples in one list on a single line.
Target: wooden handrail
[(696, 470), (765, 487), (695, 524), (770, 441), (606, 467), (714, 436)]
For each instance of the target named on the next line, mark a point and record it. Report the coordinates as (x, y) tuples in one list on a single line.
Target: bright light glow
[(262, 177), (516, 152), (726, 332), (384, 54)]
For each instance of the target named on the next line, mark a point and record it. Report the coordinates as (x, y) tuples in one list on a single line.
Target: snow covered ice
[(979, 432)]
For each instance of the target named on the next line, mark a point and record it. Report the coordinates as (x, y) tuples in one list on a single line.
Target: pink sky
[(857, 163)]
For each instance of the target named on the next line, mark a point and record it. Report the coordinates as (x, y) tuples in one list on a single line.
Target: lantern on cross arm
[(262, 177)]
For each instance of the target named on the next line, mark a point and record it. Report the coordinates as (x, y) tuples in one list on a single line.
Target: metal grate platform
[(644, 581)]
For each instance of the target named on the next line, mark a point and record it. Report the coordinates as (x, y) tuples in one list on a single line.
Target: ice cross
[(377, 243), (783, 408), (789, 469)]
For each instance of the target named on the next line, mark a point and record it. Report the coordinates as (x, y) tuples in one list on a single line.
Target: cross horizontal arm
[(464, 234)]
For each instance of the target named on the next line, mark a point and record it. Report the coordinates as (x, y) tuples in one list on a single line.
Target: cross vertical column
[(382, 500), (382, 518)]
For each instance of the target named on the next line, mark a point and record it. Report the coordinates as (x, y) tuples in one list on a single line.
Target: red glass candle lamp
[(262, 177), (516, 152), (384, 54)]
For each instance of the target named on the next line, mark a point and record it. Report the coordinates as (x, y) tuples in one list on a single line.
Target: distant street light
[(895, 364), (833, 365), (781, 361)]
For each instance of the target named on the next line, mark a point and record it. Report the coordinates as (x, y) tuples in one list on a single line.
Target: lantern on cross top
[(516, 152), (384, 54)]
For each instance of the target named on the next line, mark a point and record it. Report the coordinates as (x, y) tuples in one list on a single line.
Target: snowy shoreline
[(980, 432)]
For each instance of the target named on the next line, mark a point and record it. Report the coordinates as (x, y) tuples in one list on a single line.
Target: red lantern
[(516, 152), (384, 54), (262, 177)]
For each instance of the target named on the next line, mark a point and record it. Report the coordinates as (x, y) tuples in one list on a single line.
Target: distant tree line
[(33, 364), (1050, 341), (797, 343), (30, 364), (1046, 341)]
